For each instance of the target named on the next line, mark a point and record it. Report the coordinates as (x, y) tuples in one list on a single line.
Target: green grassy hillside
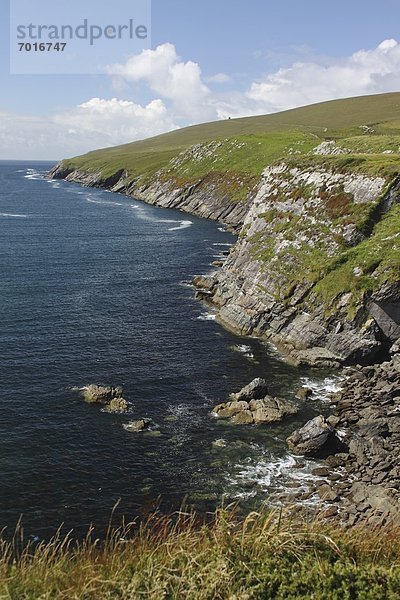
[(365, 125)]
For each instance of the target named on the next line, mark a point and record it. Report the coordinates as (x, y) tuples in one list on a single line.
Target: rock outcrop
[(109, 397), (253, 405), (317, 438)]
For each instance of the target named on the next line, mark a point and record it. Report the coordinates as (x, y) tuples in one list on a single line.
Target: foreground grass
[(261, 556)]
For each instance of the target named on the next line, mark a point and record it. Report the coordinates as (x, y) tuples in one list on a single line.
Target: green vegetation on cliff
[(263, 556), (267, 138)]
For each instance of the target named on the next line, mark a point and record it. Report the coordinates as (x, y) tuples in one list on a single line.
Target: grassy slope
[(338, 118), (264, 556)]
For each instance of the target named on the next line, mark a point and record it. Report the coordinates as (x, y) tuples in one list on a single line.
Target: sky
[(206, 61)]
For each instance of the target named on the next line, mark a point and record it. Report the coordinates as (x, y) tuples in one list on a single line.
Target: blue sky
[(211, 59)]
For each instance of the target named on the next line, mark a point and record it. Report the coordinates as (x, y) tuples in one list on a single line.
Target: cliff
[(316, 267)]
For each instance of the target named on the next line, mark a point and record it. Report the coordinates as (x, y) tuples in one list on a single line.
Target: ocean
[(95, 288)]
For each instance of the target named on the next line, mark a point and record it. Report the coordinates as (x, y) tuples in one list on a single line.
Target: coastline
[(344, 484)]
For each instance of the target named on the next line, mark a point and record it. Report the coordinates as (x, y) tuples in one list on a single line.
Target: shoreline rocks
[(317, 438), (363, 477)]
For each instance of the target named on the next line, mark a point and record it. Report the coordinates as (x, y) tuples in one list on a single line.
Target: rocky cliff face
[(307, 272), (314, 268), (200, 198)]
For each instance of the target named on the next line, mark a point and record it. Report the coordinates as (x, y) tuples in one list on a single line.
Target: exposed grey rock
[(316, 438), (252, 404), (255, 390)]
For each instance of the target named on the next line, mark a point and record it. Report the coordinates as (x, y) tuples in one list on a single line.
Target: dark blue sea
[(93, 289)]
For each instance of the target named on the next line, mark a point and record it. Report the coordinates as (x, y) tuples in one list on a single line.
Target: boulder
[(271, 410), (136, 426), (317, 438), (255, 390), (304, 393)]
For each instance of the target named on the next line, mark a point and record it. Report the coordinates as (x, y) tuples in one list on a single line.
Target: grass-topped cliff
[(314, 193), (365, 125)]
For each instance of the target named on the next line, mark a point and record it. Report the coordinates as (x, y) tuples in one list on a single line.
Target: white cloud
[(93, 124), (181, 96), (219, 78), (364, 72), (164, 73), (118, 121)]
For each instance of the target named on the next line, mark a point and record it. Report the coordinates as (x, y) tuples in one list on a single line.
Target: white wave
[(277, 474), (33, 176), (323, 389), (222, 229), (15, 216), (221, 244), (181, 225), (246, 350), (206, 317), (106, 202)]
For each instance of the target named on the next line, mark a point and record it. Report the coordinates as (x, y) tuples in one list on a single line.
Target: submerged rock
[(220, 443)]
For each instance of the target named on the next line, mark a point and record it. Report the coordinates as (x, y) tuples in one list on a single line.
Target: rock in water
[(272, 410), (317, 438), (136, 426), (255, 390), (259, 408), (117, 405), (100, 394)]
